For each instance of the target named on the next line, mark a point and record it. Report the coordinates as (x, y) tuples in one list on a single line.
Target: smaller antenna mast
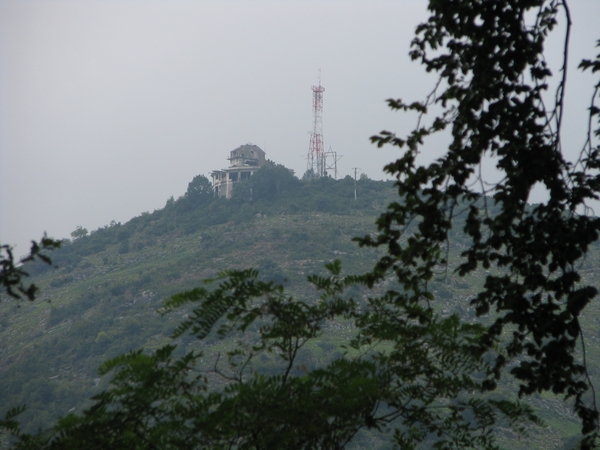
[(330, 161), (355, 170)]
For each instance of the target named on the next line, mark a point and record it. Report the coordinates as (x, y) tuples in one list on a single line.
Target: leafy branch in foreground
[(491, 93), (407, 374), (12, 272)]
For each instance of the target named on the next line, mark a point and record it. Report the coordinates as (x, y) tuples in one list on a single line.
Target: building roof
[(246, 155)]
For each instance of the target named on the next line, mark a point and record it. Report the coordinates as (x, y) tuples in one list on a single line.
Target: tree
[(424, 378), (267, 183), (421, 382), (492, 93), (199, 192), (200, 189), (12, 272), (308, 175), (79, 232)]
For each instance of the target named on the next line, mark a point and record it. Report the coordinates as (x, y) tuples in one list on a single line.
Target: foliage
[(12, 273), (267, 183), (409, 370), (421, 381), (491, 93), (79, 232), (199, 191), (308, 175), (58, 341), (200, 186), (191, 213)]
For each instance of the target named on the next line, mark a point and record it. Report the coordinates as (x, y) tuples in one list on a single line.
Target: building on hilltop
[(243, 162)]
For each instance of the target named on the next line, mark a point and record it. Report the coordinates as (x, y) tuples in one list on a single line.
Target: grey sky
[(107, 108)]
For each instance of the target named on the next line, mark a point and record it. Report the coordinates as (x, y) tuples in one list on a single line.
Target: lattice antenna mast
[(316, 150)]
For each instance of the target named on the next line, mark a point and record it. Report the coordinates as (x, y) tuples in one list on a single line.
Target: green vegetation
[(12, 273), (386, 354), (102, 300), (197, 211), (104, 304)]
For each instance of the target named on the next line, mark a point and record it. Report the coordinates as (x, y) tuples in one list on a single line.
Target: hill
[(103, 298)]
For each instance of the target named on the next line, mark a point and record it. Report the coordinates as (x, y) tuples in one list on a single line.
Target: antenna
[(330, 162), (355, 170), (315, 164)]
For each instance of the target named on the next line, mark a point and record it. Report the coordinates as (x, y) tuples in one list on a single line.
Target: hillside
[(102, 300)]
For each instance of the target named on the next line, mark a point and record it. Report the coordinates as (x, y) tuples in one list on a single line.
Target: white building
[(243, 162)]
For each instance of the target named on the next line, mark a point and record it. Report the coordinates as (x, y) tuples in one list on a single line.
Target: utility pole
[(355, 169)]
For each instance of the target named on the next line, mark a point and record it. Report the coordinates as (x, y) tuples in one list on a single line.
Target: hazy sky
[(108, 108)]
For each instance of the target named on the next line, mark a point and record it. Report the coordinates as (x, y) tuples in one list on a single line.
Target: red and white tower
[(316, 150)]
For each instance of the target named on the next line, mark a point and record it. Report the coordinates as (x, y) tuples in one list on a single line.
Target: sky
[(110, 107)]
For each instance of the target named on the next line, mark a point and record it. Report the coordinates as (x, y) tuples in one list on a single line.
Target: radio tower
[(316, 152)]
